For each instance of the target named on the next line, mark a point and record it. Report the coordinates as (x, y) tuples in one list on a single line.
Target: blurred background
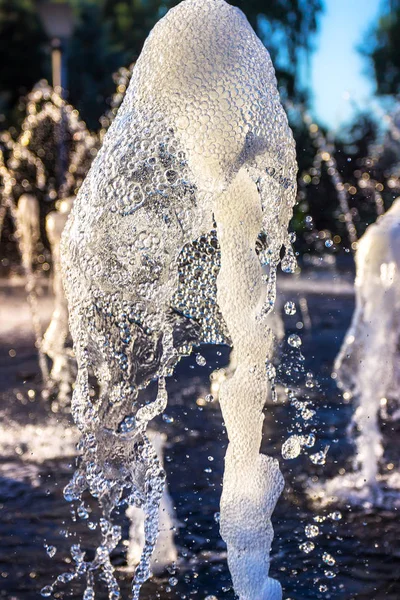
[(338, 70)]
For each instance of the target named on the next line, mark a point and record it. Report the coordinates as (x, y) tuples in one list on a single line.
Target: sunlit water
[(174, 240)]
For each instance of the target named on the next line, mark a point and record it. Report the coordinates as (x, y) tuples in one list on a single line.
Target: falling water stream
[(366, 367)]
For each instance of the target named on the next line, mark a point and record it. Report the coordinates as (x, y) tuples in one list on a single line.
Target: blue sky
[(336, 67)]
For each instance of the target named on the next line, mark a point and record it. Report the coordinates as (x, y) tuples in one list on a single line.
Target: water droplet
[(82, 511), (335, 516), (290, 308), (291, 448), (209, 398), (328, 559), (307, 547), (312, 531), (167, 418), (307, 414), (47, 591), (51, 550), (128, 424), (323, 588), (330, 574), (294, 340), (319, 458), (319, 519), (201, 361), (173, 581), (310, 440)]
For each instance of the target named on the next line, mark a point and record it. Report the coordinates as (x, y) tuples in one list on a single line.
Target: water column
[(252, 482), (174, 240), (56, 335), (367, 365)]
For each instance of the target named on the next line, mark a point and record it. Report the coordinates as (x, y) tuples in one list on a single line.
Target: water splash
[(161, 252), (55, 341), (367, 365)]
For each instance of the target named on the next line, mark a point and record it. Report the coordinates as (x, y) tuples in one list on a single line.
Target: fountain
[(165, 552), (34, 175), (190, 194), (56, 336), (366, 367)]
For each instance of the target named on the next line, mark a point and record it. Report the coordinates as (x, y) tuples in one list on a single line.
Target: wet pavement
[(364, 543)]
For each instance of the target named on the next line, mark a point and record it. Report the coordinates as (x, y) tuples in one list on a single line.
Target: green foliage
[(21, 49), (111, 33), (385, 52), (92, 59), (287, 29)]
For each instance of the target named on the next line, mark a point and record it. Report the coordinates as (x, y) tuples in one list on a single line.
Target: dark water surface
[(365, 544)]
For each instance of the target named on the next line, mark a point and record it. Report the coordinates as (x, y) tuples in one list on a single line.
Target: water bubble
[(307, 547), (217, 517), (323, 588), (290, 308), (167, 419), (65, 577), (69, 493), (51, 550), (319, 519), (291, 448), (89, 594), (173, 581), (82, 511), (307, 414), (310, 440), (328, 559), (294, 340), (209, 398), (319, 458), (201, 361), (335, 516), (330, 574), (128, 424), (289, 262), (47, 591), (312, 531)]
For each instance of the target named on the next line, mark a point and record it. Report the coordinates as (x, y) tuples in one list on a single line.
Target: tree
[(92, 60), (385, 53), (21, 48), (287, 27)]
